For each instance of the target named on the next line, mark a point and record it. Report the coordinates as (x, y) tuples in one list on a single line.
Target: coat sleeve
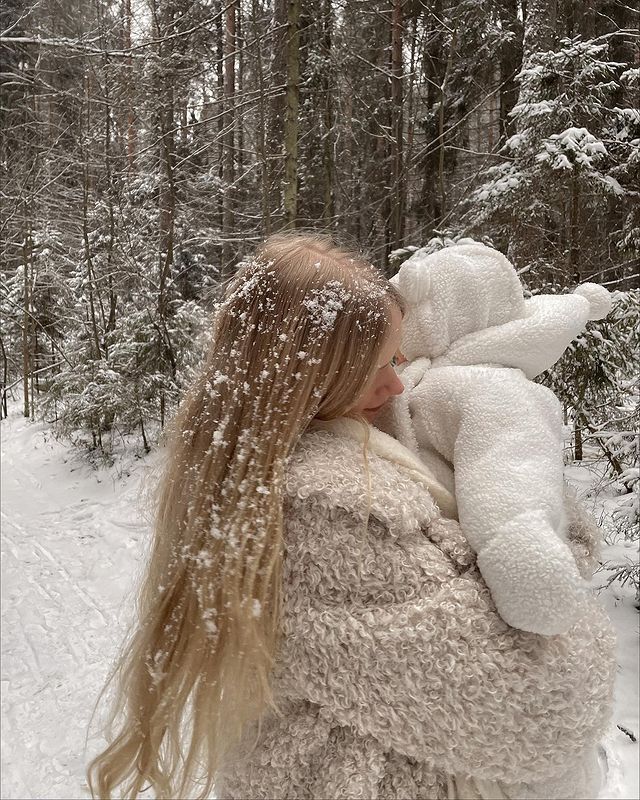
[(437, 676)]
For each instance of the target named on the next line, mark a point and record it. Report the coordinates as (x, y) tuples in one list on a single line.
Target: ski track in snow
[(72, 540)]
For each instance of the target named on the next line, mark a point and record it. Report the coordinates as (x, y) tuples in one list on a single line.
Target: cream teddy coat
[(396, 677)]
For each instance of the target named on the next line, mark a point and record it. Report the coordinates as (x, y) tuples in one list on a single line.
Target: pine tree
[(550, 202)]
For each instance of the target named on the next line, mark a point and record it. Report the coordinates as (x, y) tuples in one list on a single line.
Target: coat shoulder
[(336, 471)]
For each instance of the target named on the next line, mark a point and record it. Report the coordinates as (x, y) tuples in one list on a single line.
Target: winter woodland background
[(147, 145)]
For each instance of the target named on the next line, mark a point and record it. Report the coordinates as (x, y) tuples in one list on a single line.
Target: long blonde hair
[(296, 336)]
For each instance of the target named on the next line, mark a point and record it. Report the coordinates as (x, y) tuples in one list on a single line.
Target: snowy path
[(71, 542)]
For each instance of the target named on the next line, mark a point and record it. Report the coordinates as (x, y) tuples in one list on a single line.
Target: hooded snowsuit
[(490, 434)]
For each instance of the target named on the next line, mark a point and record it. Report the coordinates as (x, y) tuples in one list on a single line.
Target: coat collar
[(329, 465)]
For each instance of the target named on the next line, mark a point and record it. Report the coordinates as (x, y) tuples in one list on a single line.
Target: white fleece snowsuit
[(470, 410)]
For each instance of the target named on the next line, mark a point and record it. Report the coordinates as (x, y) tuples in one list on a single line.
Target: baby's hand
[(533, 577)]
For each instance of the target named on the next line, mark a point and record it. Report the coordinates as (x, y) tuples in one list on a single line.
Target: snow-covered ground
[(72, 540)]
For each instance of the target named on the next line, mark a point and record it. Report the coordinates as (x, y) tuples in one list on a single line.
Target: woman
[(312, 625)]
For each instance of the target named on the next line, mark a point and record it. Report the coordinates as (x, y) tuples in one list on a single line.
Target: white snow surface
[(73, 540)]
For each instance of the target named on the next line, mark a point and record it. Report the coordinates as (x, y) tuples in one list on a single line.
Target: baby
[(470, 409)]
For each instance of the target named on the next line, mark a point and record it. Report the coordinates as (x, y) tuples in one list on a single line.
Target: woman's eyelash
[(393, 362)]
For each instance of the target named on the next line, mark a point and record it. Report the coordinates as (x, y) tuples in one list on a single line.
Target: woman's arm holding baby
[(438, 677)]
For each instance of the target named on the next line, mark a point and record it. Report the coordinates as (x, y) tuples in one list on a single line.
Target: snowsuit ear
[(413, 281)]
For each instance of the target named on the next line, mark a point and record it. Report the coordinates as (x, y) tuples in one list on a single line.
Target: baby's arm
[(503, 435)]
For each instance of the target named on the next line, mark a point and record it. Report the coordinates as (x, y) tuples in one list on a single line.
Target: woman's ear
[(413, 281)]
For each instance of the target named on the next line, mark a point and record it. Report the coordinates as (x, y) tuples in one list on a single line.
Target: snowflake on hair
[(325, 303)]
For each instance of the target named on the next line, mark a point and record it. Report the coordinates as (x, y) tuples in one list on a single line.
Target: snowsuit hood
[(468, 307)]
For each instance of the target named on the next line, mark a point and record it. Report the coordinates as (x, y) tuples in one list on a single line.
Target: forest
[(149, 144)]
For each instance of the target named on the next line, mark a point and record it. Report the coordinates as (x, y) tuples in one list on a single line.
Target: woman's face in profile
[(384, 383)]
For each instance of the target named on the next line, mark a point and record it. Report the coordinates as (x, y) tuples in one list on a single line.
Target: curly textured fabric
[(396, 677)]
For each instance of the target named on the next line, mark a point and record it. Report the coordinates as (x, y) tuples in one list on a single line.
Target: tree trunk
[(510, 59), (221, 105), (167, 188), (327, 150), (239, 125), (397, 127), (573, 255), (275, 136), (539, 37), (441, 131), (5, 375), (411, 122), (291, 115), (577, 450), (27, 248), (229, 137), (166, 199), (86, 184), (539, 28), (87, 257), (110, 323), (434, 65), (131, 132), (262, 130)]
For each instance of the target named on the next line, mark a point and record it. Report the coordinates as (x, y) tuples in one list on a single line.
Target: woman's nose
[(395, 385)]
